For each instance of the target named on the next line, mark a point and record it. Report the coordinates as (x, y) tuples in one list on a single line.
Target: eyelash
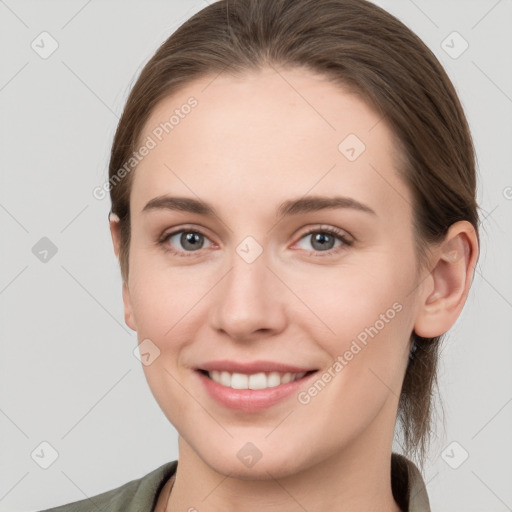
[(336, 233)]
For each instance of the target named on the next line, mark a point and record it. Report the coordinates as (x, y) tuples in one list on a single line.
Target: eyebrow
[(288, 208)]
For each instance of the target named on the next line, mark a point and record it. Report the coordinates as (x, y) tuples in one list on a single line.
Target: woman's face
[(249, 284)]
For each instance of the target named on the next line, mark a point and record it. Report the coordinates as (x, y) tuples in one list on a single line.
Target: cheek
[(345, 301), (362, 319), (163, 297)]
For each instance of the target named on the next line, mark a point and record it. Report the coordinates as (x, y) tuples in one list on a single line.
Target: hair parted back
[(359, 46)]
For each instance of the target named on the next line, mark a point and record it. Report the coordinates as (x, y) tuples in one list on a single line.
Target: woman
[(293, 209)]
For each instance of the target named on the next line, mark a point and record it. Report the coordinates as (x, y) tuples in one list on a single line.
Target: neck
[(345, 482)]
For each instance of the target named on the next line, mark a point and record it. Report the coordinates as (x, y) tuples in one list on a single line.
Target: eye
[(323, 240), (187, 240)]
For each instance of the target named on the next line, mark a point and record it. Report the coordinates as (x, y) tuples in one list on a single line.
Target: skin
[(254, 141)]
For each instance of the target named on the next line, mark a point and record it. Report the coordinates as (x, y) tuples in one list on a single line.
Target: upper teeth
[(254, 381)]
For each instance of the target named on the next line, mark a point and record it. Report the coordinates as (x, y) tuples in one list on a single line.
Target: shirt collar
[(407, 483)]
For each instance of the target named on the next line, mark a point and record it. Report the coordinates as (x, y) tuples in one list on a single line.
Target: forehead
[(276, 133)]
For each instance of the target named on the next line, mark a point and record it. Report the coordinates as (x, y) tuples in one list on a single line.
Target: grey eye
[(188, 240)]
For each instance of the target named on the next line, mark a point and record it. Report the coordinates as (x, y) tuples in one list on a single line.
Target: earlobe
[(128, 313), (450, 281), (116, 241)]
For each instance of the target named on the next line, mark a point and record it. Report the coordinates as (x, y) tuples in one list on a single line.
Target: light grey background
[(68, 375)]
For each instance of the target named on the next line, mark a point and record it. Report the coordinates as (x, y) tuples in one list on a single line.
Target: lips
[(252, 367), (252, 386)]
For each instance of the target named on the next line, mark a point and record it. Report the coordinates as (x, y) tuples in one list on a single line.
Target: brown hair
[(360, 46)]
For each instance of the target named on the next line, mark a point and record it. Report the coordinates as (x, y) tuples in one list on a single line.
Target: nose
[(249, 302)]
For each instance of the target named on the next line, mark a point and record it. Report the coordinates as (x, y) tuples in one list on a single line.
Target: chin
[(262, 470)]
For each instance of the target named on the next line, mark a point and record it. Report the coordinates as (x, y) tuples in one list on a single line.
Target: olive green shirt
[(141, 495)]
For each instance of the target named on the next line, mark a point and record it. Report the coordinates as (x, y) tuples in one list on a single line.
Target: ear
[(447, 286), (115, 232)]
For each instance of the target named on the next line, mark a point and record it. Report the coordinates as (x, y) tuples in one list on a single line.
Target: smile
[(261, 380), (252, 392)]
